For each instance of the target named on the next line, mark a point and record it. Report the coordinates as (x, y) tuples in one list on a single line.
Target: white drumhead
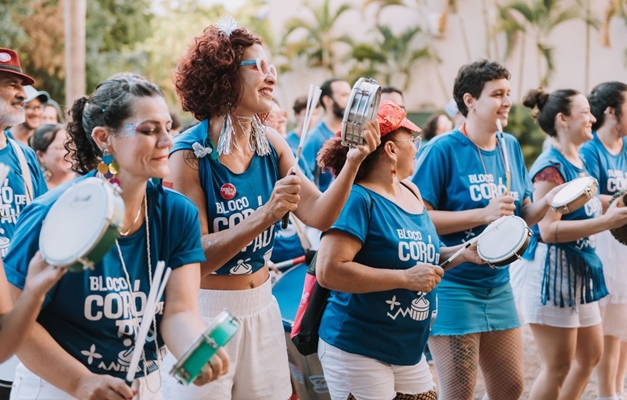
[(75, 222), (571, 191), (502, 238)]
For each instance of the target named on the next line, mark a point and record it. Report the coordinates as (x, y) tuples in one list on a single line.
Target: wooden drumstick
[(312, 104), (156, 290), (499, 126), (458, 252)]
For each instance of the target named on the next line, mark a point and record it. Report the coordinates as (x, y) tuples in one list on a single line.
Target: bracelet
[(557, 224)]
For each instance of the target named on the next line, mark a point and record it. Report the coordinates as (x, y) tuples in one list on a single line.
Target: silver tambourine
[(362, 106)]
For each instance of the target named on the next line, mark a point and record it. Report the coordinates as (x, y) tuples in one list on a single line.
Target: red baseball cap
[(392, 117), (10, 62)]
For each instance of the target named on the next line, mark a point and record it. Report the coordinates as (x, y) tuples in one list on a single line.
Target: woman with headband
[(605, 157), (239, 174), (463, 179), (86, 333), (560, 280)]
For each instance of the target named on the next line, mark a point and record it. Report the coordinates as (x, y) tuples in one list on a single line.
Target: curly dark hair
[(548, 106), (332, 156), (471, 78), (604, 95), (108, 106), (206, 77)]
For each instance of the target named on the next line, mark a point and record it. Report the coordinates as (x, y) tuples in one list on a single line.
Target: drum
[(620, 233), (306, 371), (362, 106), (574, 195), (217, 334), (82, 225), (504, 241)]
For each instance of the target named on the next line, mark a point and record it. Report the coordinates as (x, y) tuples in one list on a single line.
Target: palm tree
[(319, 43), (539, 19)]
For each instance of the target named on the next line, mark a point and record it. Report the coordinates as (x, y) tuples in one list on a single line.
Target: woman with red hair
[(239, 174)]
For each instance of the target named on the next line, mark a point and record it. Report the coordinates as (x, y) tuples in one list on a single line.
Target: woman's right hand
[(41, 277), (103, 387), (285, 197), (615, 216), (423, 277), (498, 207)]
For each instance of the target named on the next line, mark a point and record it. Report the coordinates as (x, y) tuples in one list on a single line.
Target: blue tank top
[(578, 256), (232, 197), (391, 326)]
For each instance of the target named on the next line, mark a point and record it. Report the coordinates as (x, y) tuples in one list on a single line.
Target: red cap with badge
[(10, 63)]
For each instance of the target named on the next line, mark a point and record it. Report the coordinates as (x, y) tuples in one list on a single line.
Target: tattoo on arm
[(191, 160)]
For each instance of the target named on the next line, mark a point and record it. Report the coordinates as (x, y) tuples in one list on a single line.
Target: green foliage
[(12, 12), (523, 126)]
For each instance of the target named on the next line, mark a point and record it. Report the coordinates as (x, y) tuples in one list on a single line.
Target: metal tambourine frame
[(362, 106)]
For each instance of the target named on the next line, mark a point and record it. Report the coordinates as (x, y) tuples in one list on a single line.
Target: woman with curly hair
[(86, 331), (239, 174), (380, 259)]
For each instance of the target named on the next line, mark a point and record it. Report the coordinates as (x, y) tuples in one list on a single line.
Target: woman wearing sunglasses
[(239, 174), (380, 259)]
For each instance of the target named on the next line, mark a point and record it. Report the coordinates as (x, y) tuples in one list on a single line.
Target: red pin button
[(228, 191)]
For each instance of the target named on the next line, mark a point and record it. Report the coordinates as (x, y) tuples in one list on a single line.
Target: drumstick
[(458, 252), (312, 103), (499, 126), (156, 290)]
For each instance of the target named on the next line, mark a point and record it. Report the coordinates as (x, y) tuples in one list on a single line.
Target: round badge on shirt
[(228, 191)]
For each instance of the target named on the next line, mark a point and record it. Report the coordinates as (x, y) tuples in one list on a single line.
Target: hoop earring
[(108, 167)]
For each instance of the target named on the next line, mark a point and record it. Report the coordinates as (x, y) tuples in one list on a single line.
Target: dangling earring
[(46, 172), (394, 171), (108, 167), (226, 134), (258, 138)]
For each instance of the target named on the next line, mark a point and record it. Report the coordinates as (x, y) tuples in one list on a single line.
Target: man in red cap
[(20, 181)]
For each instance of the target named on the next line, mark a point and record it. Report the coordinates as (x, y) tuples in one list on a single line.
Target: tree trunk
[(74, 12), (587, 61), (523, 43)]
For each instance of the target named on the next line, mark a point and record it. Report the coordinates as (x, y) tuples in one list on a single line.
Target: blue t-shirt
[(14, 195), (308, 164), (391, 326), (453, 174), (609, 170), (287, 245), (580, 255), (293, 140), (232, 197), (89, 313)]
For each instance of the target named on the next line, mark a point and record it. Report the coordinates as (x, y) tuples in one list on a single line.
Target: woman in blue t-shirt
[(560, 280), (238, 173), (462, 177), (380, 259), (82, 344), (605, 157)]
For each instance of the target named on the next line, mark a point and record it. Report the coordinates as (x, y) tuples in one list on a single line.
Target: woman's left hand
[(217, 366), (471, 255), (372, 135)]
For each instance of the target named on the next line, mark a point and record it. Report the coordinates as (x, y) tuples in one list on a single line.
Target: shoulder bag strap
[(28, 183)]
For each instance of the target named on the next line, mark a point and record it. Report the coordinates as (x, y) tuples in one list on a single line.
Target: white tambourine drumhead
[(76, 221), (571, 191), (502, 238)]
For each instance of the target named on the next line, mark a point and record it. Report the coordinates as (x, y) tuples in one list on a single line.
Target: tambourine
[(504, 241), (574, 195), (362, 106), (217, 334), (620, 233), (82, 225)]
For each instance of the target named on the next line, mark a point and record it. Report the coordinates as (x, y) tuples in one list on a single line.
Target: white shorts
[(526, 278), (258, 353), (613, 255), (369, 379), (28, 386)]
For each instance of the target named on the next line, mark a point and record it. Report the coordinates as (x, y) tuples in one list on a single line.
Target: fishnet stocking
[(430, 395), (456, 359), (498, 353), (501, 362)]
